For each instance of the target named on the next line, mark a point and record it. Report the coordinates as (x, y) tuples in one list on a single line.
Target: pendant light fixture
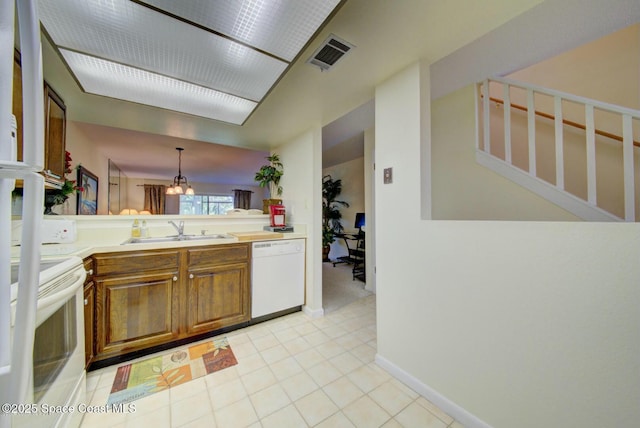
[(176, 188)]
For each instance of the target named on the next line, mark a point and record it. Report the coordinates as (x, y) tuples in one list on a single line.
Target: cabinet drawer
[(218, 255), (130, 262)]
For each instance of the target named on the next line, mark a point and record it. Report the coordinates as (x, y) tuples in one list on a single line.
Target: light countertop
[(108, 247), (85, 248), (105, 234)]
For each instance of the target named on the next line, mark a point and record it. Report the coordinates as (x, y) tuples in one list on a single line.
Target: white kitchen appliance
[(58, 380), (53, 231), (18, 320), (277, 276), (58, 231)]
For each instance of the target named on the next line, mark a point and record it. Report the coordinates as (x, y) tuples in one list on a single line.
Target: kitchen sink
[(201, 237), (175, 238)]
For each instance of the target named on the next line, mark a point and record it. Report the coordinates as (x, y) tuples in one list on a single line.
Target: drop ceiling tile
[(114, 80), (141, 53), (280, 27), (128, 33)]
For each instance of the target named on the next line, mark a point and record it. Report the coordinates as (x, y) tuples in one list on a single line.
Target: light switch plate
[(388, 175)]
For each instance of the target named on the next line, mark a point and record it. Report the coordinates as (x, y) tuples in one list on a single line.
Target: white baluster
[(32, 94), (591, 154), (627, 160), (486, 116), (506, 94), (531, 126), (559, 143)]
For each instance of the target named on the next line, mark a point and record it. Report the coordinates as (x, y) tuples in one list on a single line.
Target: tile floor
[(293, 371), (339, 288)]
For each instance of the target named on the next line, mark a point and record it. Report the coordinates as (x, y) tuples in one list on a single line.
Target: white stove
[(52, 231), (57, 375), (52, 270)]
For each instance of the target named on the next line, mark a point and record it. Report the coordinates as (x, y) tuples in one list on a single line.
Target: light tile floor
[(293, 371)]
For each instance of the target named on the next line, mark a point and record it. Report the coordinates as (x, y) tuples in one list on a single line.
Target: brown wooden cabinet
[(150, 298), (55, 113), (136, 300), (136, 312), (54, 137), (218, 293), (89, 311)]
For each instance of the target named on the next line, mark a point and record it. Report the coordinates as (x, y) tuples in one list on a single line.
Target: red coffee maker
[(277, 215)]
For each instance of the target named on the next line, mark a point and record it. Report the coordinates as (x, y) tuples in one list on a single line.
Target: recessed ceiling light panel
[(280, 27), (114, 80), (125, 32), (214, 58)]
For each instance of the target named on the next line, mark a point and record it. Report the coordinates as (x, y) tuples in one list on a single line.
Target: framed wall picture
[(88, 197)]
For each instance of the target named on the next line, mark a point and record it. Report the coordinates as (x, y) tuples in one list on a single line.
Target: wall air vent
[(330, 52)]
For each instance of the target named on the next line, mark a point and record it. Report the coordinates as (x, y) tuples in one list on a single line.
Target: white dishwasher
[(277, 276)]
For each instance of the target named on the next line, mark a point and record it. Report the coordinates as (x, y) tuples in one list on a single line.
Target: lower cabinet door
[(217, 297), (135, 312)]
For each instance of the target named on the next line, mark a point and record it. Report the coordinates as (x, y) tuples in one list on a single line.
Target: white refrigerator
[(16, 349)]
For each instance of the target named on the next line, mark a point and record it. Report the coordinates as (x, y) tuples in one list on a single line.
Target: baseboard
[(449, 407), (313, 313)]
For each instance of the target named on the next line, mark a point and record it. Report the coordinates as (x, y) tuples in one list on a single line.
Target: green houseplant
[(53, 197), (269, 176), (58, 196), (331, 215)]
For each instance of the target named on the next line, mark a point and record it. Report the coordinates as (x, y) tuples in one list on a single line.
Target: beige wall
[(501, 323), (83, 152), (352, 175), (607, 69), (302, 197), (504, 324)]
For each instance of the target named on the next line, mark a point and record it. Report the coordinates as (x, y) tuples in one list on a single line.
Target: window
[(205, 204)]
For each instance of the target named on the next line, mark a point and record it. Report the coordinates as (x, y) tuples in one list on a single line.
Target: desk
[(355, 244)]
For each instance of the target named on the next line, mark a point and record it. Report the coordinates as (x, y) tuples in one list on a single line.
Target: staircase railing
[(625, 115)]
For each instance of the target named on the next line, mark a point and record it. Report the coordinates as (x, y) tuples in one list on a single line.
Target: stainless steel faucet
[(179, 228)]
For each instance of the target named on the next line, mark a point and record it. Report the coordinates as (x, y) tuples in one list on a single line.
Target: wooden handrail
[(565, 122)]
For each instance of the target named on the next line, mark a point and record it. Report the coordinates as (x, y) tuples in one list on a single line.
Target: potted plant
[(269, 176), (53, 197), (331, 215)]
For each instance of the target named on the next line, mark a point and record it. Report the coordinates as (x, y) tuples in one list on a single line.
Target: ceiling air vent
[(330, 52)]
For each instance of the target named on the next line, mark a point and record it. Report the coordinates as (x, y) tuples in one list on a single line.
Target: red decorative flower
[(69, 186)]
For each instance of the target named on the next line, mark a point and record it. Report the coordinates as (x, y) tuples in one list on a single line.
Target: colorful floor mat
[(143, 378)]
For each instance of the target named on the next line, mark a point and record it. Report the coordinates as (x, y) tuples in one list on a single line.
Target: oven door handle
[(49, 304)]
